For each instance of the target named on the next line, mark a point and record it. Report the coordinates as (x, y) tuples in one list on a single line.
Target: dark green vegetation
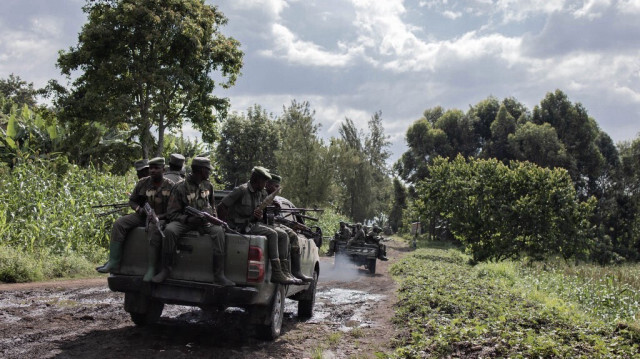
[(148, 63), (47, 228), (513, 309), (501, 208)]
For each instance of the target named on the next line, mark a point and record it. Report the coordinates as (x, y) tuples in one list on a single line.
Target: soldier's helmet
[(358, 225)]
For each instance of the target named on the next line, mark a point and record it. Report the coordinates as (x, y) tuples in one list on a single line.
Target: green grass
[(509, 309), (47, 226)]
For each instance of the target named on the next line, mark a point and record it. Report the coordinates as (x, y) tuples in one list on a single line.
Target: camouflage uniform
[(144, 191), (343, 234), (359, 237), (374, 237), (241, 203), (175, 160), (201, 197)]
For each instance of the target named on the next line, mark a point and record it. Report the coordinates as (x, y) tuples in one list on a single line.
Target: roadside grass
[(17, 266), (512, 309)]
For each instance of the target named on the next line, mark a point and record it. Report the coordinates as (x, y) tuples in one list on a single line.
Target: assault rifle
[(117, 207), (300, 212), (210, 218), (306, 230), (152, 218)]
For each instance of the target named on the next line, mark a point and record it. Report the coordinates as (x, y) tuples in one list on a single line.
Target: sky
[(352, 58)]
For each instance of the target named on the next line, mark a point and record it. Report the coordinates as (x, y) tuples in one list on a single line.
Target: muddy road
[(84, 319)]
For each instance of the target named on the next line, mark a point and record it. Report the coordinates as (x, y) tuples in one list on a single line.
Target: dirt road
[(84, 319)]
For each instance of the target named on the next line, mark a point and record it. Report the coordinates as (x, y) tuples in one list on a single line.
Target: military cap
[(157, 161), (141, 164), (275, 178), (261, 171), (176, 159), (201, 162)]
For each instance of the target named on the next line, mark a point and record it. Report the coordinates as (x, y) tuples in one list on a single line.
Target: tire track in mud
[(83, 318)]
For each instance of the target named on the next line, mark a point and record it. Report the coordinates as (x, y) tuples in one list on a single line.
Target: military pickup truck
[(365, 254), (191, 281)]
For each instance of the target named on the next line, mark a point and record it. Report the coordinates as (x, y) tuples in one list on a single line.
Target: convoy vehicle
[(191, 281), (365, 254)]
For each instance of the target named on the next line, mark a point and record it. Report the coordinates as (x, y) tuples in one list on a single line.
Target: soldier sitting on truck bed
[(294, 246), (240, 209), (176, 161), (359, 236), (153, 189), (195, 191), (343, 235), (374, 237)]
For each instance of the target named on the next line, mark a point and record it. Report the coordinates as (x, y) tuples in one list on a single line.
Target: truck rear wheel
[(151, 316), (371, 265), (273, 329), (306, 304)]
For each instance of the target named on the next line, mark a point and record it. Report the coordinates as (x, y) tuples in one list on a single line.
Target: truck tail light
[(255, 271)]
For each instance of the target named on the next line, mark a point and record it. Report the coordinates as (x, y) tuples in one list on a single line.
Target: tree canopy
[(149, 64)]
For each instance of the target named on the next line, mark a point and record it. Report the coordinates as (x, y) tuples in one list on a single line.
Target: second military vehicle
[(365, 254)]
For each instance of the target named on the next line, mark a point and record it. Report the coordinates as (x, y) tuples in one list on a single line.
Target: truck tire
[(306, 304), (272, 330), (150, 316), (371, 265)]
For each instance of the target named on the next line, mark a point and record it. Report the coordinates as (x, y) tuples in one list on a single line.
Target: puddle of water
[(342, 308)]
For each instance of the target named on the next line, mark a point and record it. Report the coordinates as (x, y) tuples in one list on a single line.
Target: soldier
[(195, 191), (374, 237), (359, 236), (240, 210), (154, 190), (142, 168), (176, 162), (343, 234), (294, 247)]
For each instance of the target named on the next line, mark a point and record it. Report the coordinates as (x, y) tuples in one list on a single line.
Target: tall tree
[(247, 141), (149, 64), (303, 160)]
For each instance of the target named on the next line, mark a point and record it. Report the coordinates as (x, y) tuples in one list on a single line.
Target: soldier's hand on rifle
[(257, 213), (140, 211)]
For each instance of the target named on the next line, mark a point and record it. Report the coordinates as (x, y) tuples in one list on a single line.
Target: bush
[(18, 267), (501, 212)]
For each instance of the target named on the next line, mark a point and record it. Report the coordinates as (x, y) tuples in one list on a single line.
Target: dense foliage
[(448, 308), (556, 134), (500, 211), (149, 63)]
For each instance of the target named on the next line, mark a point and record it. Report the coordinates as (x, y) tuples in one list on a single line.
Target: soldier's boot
[(295, 267), (276, 273), (152, 261), (167, 263), (115, 255), (286, 270), (218, 272), (383, 254)]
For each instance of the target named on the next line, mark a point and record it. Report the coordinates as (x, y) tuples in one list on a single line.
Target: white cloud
[(452, 14), (518, 10), (629, 6), (592, 9), (297, 51), (273, 8)]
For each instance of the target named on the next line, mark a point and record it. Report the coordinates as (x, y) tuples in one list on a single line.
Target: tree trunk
[(161, 128)]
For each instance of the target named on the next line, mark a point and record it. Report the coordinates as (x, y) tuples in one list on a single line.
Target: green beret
[(201, 162), (275, 178), (176, 159), (141, 164), (158, 161), (261, 171)]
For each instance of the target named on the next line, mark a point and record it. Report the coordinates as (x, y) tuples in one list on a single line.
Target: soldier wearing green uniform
[(176, 162), (343, 234), (374, 237), (359, 236), (142, 168), (294, 247), (154, 190), (240, 210), (195, 191)]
